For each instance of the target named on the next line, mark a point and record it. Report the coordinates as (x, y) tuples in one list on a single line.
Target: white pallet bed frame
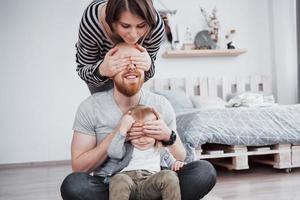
[(233, 157)]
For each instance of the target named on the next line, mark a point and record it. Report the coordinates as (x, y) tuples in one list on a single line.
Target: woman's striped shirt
[(93, 43)]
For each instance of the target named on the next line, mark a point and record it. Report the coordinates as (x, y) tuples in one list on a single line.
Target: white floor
[(258, 183)]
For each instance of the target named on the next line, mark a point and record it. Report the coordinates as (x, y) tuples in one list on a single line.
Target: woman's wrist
[(100, 75), (100, 71)]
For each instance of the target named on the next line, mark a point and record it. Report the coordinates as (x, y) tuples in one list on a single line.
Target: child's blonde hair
[(140, 113)]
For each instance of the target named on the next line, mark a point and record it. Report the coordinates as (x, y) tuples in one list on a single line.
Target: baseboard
[(35, 164)]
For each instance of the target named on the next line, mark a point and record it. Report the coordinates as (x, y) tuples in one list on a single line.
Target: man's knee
[(210, 172), (72, 185), (206, 171), (200, 172), (196, 179)]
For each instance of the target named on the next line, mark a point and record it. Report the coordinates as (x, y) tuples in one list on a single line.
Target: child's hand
[(177, 165), (126, 123)]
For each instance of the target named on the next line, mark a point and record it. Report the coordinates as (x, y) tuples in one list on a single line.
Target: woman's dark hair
[(141, 8)]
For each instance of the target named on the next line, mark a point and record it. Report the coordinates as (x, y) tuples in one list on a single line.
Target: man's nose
[(131, 67)]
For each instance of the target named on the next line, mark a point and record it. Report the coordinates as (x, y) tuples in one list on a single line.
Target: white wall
[(40, 89), (284, 46), (250, 18)]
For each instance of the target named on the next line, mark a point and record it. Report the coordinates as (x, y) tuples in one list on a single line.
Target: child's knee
[(169, 177), (121, 181)]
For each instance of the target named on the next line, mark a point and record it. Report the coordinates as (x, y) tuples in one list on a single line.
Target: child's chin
[(142, 148)]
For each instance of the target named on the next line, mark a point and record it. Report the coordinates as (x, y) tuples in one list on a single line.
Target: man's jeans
[(196, 179)]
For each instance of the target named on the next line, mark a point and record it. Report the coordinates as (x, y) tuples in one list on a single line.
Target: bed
[(255, 129)]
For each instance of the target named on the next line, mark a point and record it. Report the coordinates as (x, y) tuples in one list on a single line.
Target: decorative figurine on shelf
[(204, 41), (176, 41), (212, 23), (188, 43), (229, 39)]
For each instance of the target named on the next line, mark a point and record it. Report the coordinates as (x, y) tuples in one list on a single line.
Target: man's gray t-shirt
[(99, 114)]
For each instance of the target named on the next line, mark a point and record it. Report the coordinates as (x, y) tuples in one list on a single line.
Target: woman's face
[(130, 27)]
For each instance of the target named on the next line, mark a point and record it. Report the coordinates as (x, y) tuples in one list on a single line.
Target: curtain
[(298, 44)]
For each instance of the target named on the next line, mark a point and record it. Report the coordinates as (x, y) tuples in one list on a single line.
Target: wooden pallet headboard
[(212, 86)]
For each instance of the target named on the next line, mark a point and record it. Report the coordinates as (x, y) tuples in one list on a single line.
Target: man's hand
[(135, 131), (112, 64), (126, 123), (157, 129), (177, 165)]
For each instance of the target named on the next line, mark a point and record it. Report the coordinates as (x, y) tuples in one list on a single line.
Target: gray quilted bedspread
[(240, 126)]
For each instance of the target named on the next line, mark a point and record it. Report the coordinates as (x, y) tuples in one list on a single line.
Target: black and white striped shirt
[(93, 43)]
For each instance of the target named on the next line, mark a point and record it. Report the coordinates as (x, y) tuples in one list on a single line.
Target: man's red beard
[(129, 89)]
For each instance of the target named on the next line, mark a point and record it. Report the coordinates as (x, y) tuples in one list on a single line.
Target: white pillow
[(178, 99), (249, 99), (207, 102)]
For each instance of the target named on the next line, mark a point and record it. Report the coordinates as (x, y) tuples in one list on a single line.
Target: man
[(98, 120)]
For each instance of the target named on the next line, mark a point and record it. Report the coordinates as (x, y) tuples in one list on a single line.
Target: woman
[(105, 23)]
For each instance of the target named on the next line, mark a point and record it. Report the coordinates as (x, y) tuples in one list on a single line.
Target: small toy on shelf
[(229, 39), (188, 43)]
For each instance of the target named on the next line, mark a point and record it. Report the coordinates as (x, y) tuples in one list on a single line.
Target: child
[(142, 178)]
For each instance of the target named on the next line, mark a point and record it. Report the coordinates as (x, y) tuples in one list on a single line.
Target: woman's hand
[(112, 64), (142, 60), (126, 123), (177, 165), (157, 129)]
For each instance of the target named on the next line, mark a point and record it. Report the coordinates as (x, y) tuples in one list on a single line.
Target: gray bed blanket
[(240, 126)]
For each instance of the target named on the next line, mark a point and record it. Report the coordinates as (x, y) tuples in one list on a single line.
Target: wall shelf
[(203, 53)]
